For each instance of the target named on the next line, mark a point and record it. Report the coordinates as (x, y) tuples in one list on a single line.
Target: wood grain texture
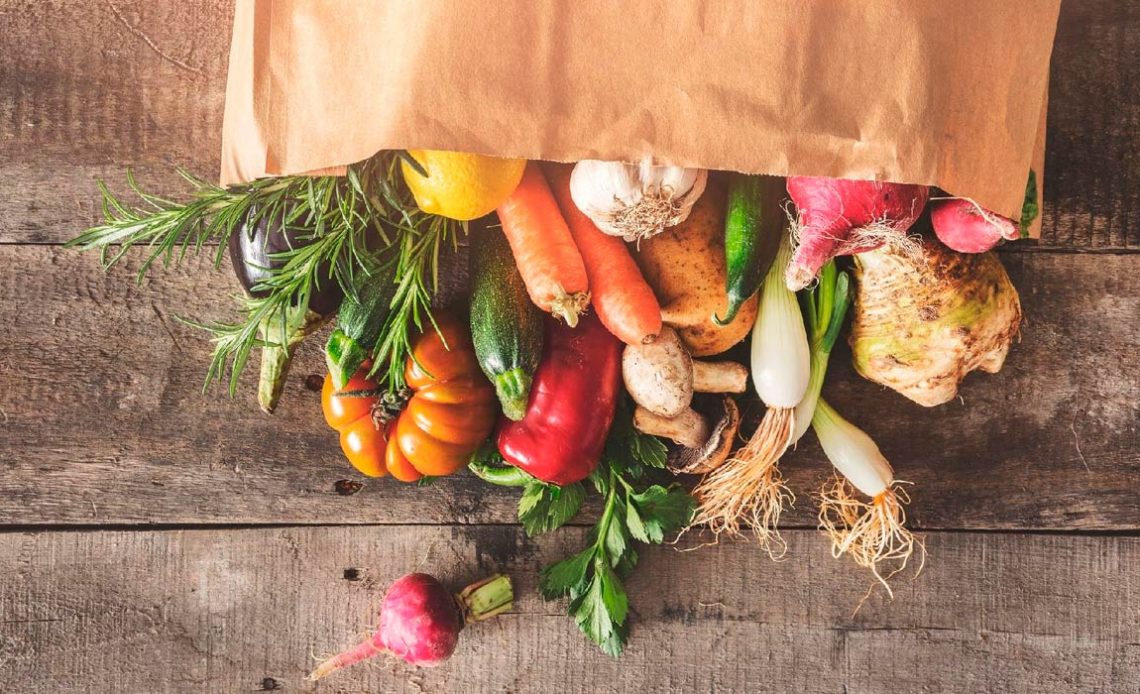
[(220, 611), (105, 422), (98, 87), (90, 88)]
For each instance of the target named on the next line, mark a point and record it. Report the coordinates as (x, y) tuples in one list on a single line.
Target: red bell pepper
[(571, 408)]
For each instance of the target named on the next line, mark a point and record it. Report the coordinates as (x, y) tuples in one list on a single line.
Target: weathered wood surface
[(105, 422), (87, 89), (102, 423), (221, 611)]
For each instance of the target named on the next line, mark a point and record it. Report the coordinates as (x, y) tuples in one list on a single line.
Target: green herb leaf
[(593, 577), (544, 507), (1030, 208), (636, 526), (563, 577), (601, 610), (648, 450), (615, 542), (661, 511), (340, 218)]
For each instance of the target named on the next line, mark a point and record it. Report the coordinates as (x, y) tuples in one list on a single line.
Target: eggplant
[(251, 249)]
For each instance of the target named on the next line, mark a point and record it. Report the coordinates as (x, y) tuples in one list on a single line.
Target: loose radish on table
[(420, 621), (544, 251), (967, 227), (871, 532), (747, 489), (844, 217), (621, 297)]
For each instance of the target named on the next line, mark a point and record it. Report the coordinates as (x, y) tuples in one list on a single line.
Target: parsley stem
[(607, 513)]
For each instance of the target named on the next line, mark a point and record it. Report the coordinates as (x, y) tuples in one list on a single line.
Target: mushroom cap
[(659, 375), (725, 417)]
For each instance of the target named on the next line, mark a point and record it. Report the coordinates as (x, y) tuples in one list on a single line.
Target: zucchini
[(752, 223), (506, 327), (359, 321)]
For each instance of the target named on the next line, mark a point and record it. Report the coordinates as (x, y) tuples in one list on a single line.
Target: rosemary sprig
[(417, 280), (171, 229), (344, 225)]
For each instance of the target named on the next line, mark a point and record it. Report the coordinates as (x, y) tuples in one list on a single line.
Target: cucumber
[(359, 321), (752, 224), (506, 327)]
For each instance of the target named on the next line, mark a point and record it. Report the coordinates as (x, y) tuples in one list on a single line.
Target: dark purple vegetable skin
[(250, 249)]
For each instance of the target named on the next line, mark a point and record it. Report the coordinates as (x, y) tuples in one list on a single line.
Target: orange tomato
[(342, 410), (451, 411), (364, 445)]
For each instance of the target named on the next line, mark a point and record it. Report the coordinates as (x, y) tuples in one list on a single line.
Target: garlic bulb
[(635, 201)]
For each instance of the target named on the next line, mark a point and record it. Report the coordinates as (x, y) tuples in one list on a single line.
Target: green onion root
[(747, 490), (873, 533)]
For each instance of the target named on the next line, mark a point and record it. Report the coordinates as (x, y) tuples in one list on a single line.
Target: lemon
[(460, 185)]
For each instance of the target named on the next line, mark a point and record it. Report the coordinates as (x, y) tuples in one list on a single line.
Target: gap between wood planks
[(578, 523)]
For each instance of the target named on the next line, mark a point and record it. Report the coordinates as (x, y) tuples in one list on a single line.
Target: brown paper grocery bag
[(950, 94)]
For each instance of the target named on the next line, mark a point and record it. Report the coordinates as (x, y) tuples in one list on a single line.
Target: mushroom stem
[(719, 377), (688, 429)]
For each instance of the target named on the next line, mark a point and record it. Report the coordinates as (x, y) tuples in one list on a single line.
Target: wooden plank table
[(157, 539)]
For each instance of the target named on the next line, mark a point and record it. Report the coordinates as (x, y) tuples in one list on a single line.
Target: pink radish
[(967, 227), (843, 217), (420, 621)]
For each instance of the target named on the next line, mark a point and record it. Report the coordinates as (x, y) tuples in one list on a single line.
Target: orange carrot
[(624, 301), (544, 251)]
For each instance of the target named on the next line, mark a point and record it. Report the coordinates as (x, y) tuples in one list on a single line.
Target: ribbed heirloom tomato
[(452, 409)]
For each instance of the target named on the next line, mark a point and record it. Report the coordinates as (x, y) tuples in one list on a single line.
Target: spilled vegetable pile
[(586, 352)]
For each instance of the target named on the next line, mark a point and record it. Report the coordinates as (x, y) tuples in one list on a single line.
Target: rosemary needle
[(347, 224)]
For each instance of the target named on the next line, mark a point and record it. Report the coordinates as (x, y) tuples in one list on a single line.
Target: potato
[(685, 266)]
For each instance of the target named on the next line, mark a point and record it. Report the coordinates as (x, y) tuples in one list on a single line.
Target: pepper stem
[(485, 599)]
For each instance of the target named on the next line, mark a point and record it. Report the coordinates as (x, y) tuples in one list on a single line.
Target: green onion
[(748, 490)]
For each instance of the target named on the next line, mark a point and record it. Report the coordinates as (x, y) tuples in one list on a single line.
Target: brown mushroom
[(661, 377), (705, 439)]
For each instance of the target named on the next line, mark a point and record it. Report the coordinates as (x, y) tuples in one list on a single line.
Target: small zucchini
[(753, 220), (359, 321), (506, 327)]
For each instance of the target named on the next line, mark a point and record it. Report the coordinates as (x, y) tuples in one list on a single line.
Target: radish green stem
[(487, 598)]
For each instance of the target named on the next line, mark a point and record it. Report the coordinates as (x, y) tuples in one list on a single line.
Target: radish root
[(747, 490), (362, 651), (873, 533)]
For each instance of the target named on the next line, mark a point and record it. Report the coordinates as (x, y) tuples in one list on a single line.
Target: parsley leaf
[(633, 511), (648, 450), (545, 507), (564, 577), (658, 511)]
